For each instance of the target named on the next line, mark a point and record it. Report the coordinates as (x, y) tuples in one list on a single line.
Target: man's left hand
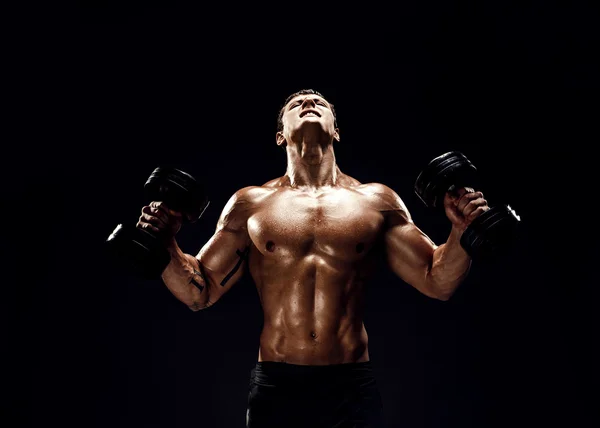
[(464, 205)]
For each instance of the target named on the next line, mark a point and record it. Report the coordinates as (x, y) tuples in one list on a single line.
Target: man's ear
[(336, 135), (280, 138)]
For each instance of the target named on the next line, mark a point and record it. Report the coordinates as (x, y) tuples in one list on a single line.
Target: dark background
[(131, 85)]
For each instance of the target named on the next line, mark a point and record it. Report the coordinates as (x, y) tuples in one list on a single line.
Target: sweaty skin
[(312, 253), (310, 240)]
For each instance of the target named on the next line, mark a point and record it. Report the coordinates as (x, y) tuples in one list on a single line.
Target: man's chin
[(314, 127)]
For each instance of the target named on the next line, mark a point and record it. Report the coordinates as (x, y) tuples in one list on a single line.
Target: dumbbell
[(490, 233), (141, 251)]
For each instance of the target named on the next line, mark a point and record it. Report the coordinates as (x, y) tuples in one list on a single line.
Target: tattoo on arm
[(199, 272), (196, 283), (243, 255)]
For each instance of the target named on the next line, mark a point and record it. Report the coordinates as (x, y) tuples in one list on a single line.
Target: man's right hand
[(159, 219)]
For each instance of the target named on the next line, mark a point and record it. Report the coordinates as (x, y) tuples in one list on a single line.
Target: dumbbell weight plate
[(143, 252), (179, 190), (491, 232), (444, 171), (135, 250)]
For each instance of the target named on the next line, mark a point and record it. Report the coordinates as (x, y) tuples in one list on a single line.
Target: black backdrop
[(512, 85)]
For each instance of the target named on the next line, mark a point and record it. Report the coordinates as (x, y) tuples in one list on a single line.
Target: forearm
[(450, 266), (184, 278)]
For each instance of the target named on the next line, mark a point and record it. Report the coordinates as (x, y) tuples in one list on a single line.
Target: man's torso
[(312, 254)]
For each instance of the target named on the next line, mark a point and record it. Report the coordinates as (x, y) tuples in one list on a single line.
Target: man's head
[(306, 109), (299, 93)]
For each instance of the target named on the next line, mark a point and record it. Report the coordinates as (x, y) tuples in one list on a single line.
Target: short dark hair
[(295, 94)]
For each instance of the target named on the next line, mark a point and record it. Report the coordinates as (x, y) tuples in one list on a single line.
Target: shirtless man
[(310, 241)]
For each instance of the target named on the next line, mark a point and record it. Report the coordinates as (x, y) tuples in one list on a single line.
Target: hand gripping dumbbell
[(143, 252), (491, 232)]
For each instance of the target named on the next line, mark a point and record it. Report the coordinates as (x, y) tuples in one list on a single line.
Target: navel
[(360, 247), (270, 246)]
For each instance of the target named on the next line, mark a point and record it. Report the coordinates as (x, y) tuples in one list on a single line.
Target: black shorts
[(333, 396)]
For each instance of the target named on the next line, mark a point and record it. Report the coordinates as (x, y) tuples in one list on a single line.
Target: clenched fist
[(464, 205), (159, 219)]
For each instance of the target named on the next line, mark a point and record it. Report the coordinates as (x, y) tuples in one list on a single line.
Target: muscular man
[(310, 240)]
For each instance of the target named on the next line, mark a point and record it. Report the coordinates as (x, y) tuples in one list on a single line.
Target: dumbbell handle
[(490, 231), (143, 250)]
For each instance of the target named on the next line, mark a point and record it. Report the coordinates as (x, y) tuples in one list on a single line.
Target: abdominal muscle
[(313, 313)]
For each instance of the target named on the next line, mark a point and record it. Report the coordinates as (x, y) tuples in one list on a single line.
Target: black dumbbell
[(490, 233), (143, 252)]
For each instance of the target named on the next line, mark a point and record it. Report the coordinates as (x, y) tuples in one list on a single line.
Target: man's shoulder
[(250, 195), (274, 183), (377, 189), (382, 196), (243, 203), (369, 188)]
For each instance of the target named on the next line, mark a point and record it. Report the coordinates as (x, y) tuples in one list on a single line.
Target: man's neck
[(311, 166)]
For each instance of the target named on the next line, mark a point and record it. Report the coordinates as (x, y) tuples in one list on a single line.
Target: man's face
[(305, 112)]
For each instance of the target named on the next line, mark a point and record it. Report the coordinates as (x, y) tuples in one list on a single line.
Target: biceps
[(223, 258), (409, 253)]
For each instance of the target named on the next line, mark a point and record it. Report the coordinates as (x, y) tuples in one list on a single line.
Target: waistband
[(272, 373)]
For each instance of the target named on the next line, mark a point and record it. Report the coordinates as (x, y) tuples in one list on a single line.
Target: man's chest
[(332, 223)]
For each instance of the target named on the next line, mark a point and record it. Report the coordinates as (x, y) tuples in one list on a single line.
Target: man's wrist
[(456, 231), (171, 245)]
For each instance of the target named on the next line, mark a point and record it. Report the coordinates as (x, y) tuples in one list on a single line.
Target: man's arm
[(200, 281), (435, 271)]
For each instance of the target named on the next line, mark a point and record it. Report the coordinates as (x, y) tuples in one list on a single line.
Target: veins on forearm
[(448, 269)]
